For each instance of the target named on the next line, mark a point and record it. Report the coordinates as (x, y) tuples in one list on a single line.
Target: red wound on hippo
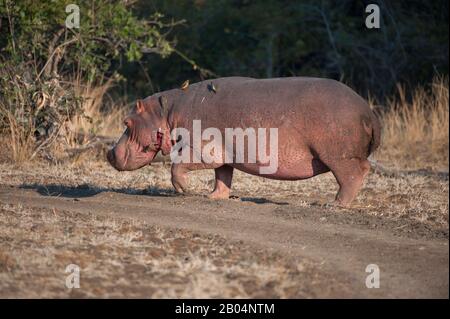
[(159, 136)]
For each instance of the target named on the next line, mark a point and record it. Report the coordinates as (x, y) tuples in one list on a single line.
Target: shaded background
[(299, 38)]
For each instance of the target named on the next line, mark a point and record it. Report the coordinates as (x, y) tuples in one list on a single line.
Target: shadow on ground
[(86, 190), (259, 200)]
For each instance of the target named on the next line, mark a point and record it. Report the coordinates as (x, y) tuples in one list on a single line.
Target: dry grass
[(415, 133), (97, 119), (44, 120), (122, 258), (125, 258), (21, 138)]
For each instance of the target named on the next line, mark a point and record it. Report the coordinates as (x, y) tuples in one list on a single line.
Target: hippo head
[(145, 135)]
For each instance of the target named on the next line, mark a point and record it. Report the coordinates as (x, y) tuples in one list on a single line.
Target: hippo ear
[(164, 106), (140, 107)]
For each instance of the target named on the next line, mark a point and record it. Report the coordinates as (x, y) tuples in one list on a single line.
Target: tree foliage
[(43, 62), (307, 38), (109, 32)]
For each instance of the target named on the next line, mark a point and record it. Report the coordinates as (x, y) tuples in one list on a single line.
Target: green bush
[(43, 61)]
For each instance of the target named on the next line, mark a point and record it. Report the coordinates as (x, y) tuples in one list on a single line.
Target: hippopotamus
[(321, 125)]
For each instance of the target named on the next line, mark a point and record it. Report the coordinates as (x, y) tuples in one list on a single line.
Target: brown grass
[(415, 133), (21, 139), (97, 119), (100, 116), (125, 258)]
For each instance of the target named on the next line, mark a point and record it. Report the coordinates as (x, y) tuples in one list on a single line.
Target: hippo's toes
[(179, 189), (179, 186)]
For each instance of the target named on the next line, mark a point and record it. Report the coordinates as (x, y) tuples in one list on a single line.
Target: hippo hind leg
[(350, 174), (224, 175)]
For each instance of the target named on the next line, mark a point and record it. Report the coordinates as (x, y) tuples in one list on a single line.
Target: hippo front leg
[(224, 175), (180, 177)]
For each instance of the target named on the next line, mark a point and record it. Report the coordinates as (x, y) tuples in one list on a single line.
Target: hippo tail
[(375, 133)]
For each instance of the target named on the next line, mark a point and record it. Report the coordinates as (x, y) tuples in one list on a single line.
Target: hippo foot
[(224, 175), (219, 195), (180, 187)]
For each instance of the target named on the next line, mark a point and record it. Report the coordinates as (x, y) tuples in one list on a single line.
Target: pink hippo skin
[(322, 124)]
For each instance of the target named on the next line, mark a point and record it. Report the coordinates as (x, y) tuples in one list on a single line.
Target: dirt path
[(413, 263)]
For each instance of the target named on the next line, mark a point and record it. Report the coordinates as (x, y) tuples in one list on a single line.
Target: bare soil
[(272, 239)]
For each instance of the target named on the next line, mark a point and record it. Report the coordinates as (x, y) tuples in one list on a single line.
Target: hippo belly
[(299, 170)]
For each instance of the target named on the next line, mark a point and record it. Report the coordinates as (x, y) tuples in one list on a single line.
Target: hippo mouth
[(129, 154), (152, 157), (145, 159), (128, 162)]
